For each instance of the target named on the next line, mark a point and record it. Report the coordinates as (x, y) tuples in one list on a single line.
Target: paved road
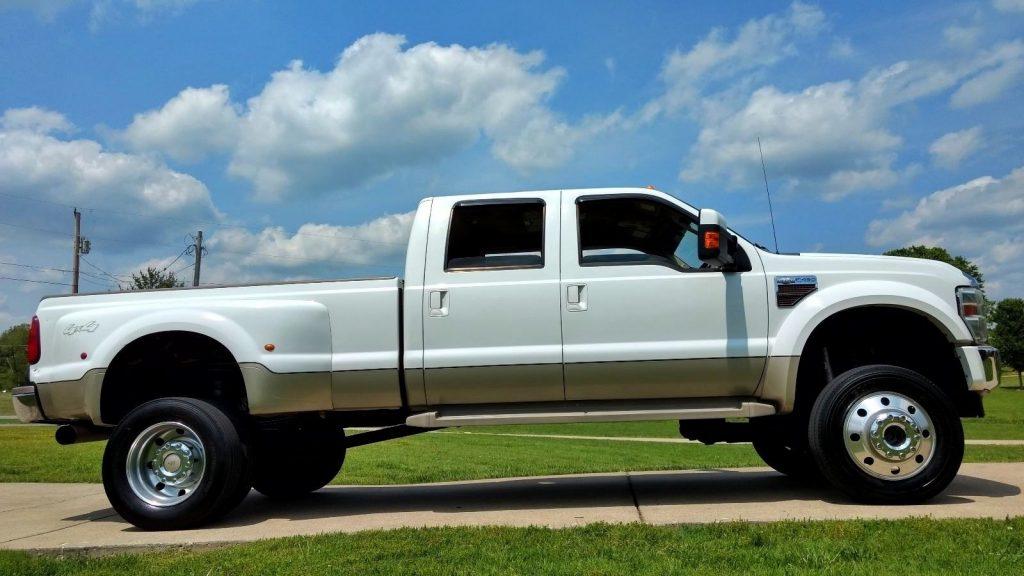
[(78, 516)]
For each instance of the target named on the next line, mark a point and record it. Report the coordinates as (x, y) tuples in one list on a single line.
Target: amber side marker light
[(269, 347), (711, 240)]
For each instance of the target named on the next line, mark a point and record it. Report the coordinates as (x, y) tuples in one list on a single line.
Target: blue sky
[(299, 137)]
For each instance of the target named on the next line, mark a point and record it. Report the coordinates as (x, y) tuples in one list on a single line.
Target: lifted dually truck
[(528, 307)]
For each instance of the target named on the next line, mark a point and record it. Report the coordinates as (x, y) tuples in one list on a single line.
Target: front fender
[(801, 322)]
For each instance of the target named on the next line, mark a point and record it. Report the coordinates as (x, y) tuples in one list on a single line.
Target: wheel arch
[(203, 365), (794, 351)]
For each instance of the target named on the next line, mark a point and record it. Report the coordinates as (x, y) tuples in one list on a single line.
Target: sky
[(299, 137)]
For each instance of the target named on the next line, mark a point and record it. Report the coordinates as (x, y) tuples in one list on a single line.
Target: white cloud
[(1009, 5), (832, 139), (313, 250), (34, 119), (827, 135), (192, 124), (961, 36), (101, 11), (841, 48), (994, 73), (36, 163), (381, 108), (45, 10), (758, 43), (982, 219), (953, 148)]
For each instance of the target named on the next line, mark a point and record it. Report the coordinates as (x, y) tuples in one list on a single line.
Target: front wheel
[(886, 434), (175, 463)]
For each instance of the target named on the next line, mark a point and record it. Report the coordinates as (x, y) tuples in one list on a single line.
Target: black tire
[(919, 473), (222, 484), (781, 441), (296, 457)]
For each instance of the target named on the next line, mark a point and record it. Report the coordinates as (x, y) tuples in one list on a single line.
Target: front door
[(491, 325), (641, 316)]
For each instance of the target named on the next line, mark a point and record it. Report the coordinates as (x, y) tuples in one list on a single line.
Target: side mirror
[(715, 245)]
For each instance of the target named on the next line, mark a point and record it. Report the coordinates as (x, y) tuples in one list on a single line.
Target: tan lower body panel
[(73, 399), (272, 393), (697, 378), (494, 384), (365, 389), (780, 382)]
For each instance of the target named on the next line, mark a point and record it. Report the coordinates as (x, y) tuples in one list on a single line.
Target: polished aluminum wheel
[(888, 435), (166, 464)]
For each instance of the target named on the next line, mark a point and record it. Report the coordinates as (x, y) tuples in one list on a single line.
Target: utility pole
[(78, 247), (199, 258), (81, 247)]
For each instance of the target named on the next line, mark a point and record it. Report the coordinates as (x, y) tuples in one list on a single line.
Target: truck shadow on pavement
[(745, 494)]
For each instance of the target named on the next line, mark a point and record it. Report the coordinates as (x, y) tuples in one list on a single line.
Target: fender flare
[(798, 326)]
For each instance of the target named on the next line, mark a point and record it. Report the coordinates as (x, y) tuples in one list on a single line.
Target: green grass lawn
[(6, 408), (29, 454), (851, 547)]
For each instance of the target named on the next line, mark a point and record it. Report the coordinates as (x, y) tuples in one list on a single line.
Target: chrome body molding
[(591, 411)]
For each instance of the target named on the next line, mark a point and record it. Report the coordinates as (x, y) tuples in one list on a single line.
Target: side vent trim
[(791, 289)]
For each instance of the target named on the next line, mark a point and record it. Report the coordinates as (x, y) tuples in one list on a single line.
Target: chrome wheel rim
[(889, 436), (166, 464)]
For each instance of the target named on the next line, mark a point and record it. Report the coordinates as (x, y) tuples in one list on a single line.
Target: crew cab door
[(641, 317), (491, 325)]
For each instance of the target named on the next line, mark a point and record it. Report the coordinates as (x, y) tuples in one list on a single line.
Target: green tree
[(1008, 334), (152, 278), (942, 255), (13, 364)]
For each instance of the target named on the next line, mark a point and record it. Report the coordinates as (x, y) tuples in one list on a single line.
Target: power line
[(240, 253), (34, 281), (50, 268), (195, 223), (117, 278)]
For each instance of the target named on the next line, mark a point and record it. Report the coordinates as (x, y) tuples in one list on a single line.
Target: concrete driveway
[(78, 516)]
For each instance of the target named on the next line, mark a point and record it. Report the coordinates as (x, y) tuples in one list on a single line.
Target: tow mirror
[(715, 245)]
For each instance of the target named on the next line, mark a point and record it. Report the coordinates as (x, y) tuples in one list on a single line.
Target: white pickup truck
[(527, 307)]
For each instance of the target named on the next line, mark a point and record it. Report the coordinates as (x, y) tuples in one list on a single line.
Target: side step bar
[(592, 411)]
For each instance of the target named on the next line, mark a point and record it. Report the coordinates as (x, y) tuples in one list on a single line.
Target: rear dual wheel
[(175, 463), (296, 456)]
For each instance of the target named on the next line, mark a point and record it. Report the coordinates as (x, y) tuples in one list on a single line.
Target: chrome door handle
[(576, 297), (438, 303)]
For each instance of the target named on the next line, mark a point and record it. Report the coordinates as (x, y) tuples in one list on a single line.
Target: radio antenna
[(771, 213)]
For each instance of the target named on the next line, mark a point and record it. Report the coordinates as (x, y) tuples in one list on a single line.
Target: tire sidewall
[(224, 463), (826, 435)]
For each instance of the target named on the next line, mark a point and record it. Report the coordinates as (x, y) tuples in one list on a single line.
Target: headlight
[(971, 302)]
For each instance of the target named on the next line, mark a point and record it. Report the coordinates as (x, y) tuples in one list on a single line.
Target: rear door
[(641, 316), (491, 323)]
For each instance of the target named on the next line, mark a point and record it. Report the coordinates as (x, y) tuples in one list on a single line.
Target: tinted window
[(636, 231), (496, 235)]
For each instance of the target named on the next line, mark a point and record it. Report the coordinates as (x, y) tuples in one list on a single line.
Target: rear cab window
[(496, 235)]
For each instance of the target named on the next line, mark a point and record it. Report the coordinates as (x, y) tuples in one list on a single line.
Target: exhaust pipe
[(68, 434)]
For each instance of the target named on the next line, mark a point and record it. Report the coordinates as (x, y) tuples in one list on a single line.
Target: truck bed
[(318, 345)]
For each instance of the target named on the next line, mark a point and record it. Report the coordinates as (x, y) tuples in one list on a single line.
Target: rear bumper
[(981, 367), (26, 404)]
